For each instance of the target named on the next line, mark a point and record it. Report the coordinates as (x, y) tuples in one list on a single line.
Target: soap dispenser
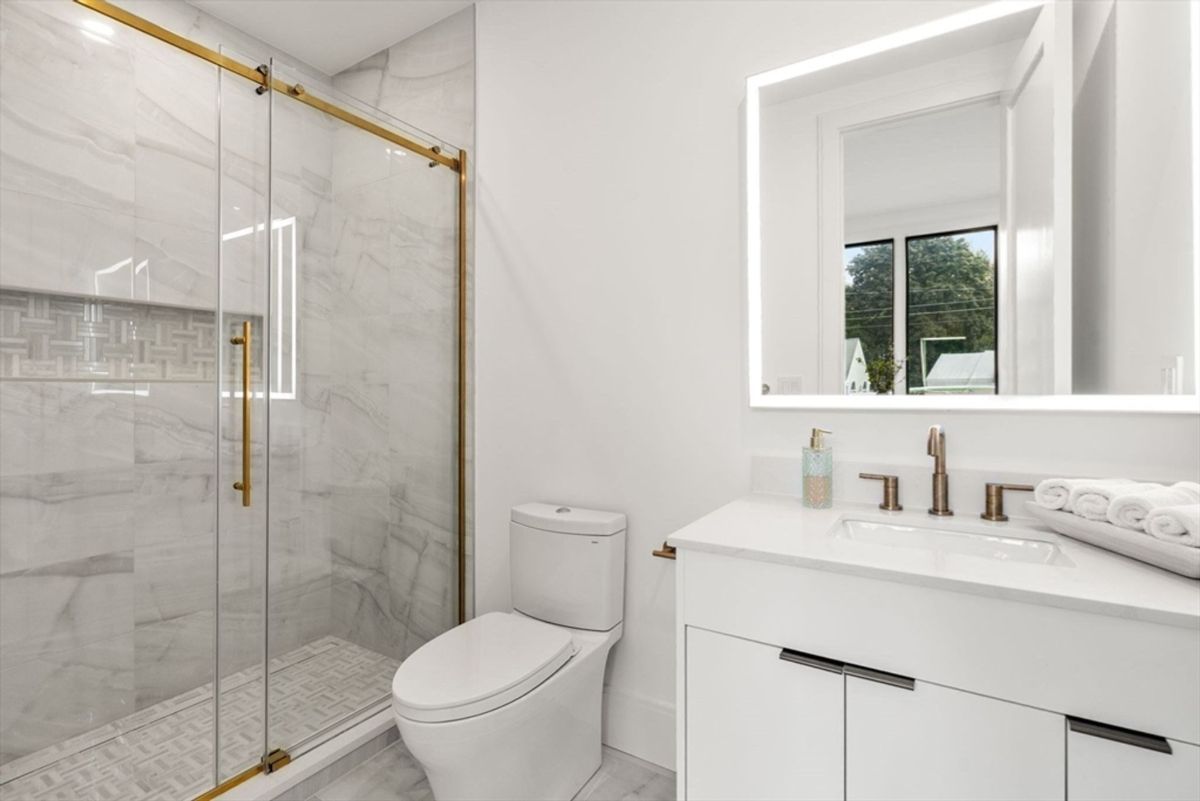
[(818, 471)]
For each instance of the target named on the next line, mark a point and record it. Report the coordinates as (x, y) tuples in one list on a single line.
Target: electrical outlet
[(790, 385)]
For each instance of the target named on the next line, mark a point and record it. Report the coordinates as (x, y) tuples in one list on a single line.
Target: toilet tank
[(568, 565)]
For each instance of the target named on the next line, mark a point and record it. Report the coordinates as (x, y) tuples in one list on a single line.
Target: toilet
[(507, 705)]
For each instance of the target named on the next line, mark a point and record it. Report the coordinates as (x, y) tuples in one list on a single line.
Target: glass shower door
[(227, 407), (361, 517), (243, 483)]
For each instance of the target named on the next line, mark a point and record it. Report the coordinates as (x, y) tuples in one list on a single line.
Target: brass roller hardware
[(994, 500), (891, 491), (265, 82), (665, 552)]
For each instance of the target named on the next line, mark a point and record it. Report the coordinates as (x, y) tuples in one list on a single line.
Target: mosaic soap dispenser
[(818, 471)]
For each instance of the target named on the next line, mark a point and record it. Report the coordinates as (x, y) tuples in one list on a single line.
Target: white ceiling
[(935, 159), (331, 35)]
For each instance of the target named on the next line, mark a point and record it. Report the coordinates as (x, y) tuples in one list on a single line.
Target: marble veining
[(395, 231), (427, 80), (393, 775)]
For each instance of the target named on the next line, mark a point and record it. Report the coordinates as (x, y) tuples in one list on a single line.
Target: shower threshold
[(165, 750)]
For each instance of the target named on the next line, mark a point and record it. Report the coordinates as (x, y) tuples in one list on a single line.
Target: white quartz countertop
[(779, 529)]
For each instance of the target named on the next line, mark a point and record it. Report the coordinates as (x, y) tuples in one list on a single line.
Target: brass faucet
[(941, 482)]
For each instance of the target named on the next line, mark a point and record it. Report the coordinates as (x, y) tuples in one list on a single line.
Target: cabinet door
[(930, 742), (1099, 769), (760, 727)]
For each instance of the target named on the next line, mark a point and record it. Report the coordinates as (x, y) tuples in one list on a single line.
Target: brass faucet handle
[(891, 491), (994, 499)]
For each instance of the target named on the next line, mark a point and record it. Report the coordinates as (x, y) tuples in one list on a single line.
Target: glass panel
[(244, 296), (951, 313), (362, 530), (108, 408), (870, 315)]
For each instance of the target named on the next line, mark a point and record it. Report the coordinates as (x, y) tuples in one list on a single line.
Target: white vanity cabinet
[(763, 727), (808, 679), (765, 722), (1119, 766), (919, 741)]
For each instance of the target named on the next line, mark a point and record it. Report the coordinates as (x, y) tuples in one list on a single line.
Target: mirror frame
[(1171, 404)]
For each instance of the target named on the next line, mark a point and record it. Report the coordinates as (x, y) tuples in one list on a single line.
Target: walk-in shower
[(231, 403)]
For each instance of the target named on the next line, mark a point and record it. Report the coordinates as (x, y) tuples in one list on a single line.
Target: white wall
[(610, 307), (1133, 181)]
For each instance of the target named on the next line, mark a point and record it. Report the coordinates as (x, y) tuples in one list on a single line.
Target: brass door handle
[(891, 491), (243, 486), (993, 502)]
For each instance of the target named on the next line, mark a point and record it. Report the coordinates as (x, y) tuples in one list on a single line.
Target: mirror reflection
[(1004, 207)]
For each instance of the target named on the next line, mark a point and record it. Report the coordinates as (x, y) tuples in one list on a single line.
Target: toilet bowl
[(507, 705)]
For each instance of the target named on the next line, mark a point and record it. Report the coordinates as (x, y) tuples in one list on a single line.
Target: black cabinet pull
[(882, 677), (810, 660), (1138, 739)]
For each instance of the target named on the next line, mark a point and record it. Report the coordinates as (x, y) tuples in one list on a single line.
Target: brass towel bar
[(665, 552)]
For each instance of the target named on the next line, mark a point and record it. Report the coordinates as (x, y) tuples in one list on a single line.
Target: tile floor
[(393, 775), (165, 751)]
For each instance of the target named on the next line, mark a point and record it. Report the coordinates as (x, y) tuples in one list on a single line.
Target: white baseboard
[(641, 726)]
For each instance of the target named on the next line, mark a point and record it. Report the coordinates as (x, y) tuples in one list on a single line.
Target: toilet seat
[(478, 666)]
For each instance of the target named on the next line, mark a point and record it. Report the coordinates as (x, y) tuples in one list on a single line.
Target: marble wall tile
[(60, 427), (69, 99), (175, 136), (174, 264), (65, 605), (64, 693), (95, 259), (57, 517), (427, 80), (175, 537), (172, 656), (67, 486)]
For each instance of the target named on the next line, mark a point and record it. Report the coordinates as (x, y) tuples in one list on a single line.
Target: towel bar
[(665, 552)]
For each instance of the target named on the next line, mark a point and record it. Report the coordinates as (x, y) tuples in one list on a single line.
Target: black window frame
[(995, 229), (891, 241)]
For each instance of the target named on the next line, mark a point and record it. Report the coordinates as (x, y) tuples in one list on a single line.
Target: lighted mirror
[(997, 208)]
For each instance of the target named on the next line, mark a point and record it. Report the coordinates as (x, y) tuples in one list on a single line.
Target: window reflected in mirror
[(950, 316), (870, 317)]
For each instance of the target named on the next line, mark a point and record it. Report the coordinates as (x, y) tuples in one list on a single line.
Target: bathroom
[(610, 258)]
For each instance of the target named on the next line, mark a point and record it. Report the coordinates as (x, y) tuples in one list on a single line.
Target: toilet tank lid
[(568, 520)]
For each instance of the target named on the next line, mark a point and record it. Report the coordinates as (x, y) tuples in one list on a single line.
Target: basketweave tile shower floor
[(165, 751)]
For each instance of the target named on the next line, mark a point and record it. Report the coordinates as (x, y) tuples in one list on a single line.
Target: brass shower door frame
[(267, 82)]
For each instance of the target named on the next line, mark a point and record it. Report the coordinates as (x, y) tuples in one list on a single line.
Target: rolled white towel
[(1178, 524), (1129, 508), (1091, 498), (1055, 493)]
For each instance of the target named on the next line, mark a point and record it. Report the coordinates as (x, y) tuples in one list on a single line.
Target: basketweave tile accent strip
[(69, 337), (165, 751)]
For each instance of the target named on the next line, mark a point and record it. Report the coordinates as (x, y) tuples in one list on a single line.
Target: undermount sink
[(950, 540)]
